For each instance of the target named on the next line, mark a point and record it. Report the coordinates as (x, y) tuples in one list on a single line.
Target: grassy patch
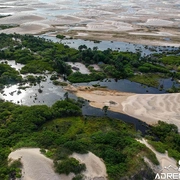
[(147, 79), (7, 26), (58, 83)]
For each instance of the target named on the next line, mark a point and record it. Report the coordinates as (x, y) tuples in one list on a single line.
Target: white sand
[(38, 167), (164, 160), (35, 165), (154, 107), (102, 97), (112, 18), (95, 167), (157, 22), (82, 68), (149, 108)]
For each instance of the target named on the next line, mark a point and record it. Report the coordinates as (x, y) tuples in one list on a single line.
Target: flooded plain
[(144, 22)]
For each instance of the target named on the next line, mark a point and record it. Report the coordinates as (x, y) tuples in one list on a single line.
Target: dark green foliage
[(76, 146), (34, 67), (111, 140), (159, 146), (58, 83), (166, 138), (78, 77), (4, 26), (70, 165), (171, 60), (60, 36), (8, 74), (65, 108), (78, 177), (147, 67), (162, 130), (40, 55)]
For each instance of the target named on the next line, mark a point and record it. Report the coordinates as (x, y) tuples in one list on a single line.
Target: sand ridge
[(154, 107), (164, 161), (100, 97), (139, 22), (38, 167), (149, 108)]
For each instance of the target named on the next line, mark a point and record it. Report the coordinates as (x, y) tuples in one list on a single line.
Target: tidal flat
[(144, 22)]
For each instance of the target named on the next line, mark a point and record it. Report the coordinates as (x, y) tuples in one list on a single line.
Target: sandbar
[(149, 108)]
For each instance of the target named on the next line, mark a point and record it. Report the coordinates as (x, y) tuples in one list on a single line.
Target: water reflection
[(144, 50)]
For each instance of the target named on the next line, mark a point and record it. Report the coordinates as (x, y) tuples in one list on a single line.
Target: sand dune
[(95, 167), (149, 108), (101, 20), (101, 97), (38, 167), (35, 165), (164, 161), (153, 107)]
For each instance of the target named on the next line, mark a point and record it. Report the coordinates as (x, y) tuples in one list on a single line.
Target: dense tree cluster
[(49, 128), (165, 137), (40, 55), (8, 74)]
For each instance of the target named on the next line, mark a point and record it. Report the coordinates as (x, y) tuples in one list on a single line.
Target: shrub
[(70, 165)]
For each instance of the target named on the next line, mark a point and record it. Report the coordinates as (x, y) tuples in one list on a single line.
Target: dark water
[(52, 93), (114, 45), (125, 85), (88, 110)]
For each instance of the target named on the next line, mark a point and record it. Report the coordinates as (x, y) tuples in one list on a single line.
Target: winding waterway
[(52, 93)]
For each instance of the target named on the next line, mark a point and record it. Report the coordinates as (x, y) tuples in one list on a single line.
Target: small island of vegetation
[(40, 55)]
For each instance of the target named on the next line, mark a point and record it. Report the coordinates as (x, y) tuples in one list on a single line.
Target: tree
[(66, 95), (105, 108)]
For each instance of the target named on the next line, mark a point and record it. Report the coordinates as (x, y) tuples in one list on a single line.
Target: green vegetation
[(35, 68), (146, 79), (49, 128), (60, 36), (78, 77), (69, 165), (40, 55), (8, 75), (61, 128), (58, 83), (166, 137), (7, 26), (171, 60)]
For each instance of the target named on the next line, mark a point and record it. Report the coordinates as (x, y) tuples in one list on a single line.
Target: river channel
[(52, 93)]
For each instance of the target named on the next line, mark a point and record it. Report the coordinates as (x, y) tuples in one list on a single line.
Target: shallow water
[(52, 93), (138, 125), (114, 45)]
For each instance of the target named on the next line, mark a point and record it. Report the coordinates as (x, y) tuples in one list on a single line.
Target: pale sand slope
[(95, 167), (102, 97), (38, 167), (35, 165), (167, 164), (149, 108), (139, 21), (153, 107)]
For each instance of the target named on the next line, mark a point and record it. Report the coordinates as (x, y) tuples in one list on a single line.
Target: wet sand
[(142, 22)]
